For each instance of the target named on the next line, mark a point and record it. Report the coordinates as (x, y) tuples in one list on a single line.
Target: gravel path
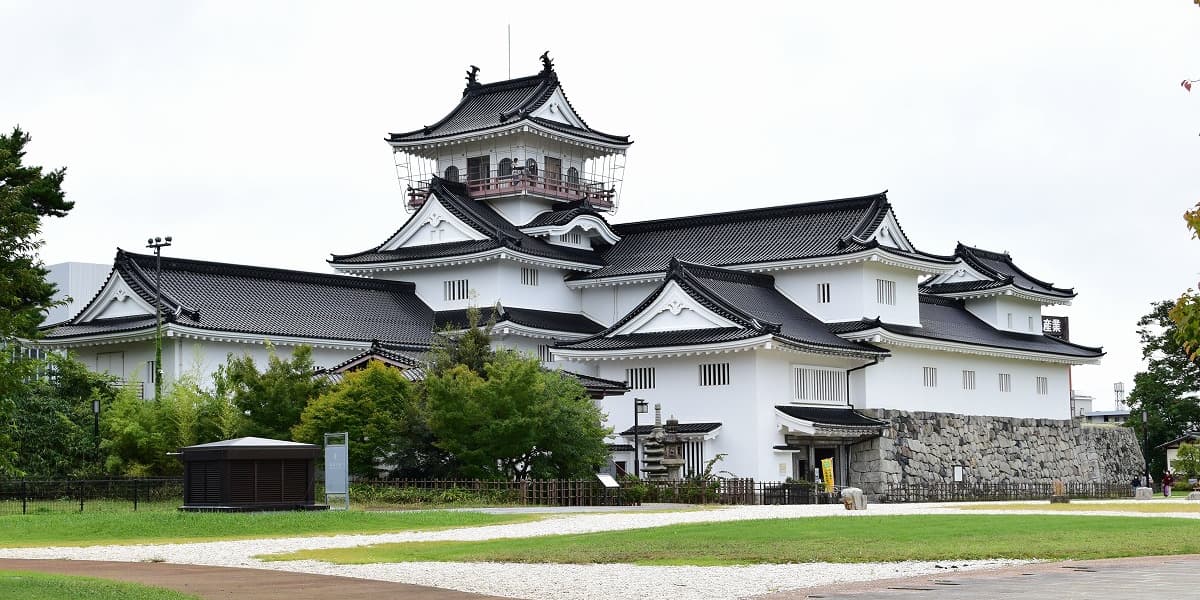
[(536, 581)]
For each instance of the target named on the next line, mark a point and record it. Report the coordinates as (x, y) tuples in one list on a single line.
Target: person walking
[(1167, 480)]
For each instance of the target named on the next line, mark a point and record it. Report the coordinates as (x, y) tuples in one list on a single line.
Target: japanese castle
[(762, 332)]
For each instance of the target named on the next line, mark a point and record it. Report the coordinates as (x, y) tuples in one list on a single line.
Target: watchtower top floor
[(514, 138)]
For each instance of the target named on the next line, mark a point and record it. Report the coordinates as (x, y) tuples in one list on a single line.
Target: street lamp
[(96, 421), (158, 243), (1146, 445), (639, 407)]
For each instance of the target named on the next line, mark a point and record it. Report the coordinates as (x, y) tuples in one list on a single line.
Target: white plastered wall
[(852, 291), (483, 280), (898, 382), (995, 310)]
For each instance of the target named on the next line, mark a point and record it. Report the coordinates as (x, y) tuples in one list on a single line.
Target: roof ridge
[(1007, 259), (274, 273), (722, 274), (745, 214)]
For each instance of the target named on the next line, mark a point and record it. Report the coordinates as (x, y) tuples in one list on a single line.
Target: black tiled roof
[(749, 300), (777, 233), (563, 214), (1001, 271), (268, 302), (839, 417), (409, 357), (537, 319), (684, 428), (502, 103), (946, 319), (481, 217)]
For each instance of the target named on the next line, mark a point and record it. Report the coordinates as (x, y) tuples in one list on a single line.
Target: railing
[(92, 495), (138, 387), (972, 492), (537, 492), (598, 194)]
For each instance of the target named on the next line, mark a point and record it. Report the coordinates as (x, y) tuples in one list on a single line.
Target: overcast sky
[(253, 131)]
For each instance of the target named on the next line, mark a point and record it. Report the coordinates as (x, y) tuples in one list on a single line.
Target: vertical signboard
[(827, 473), (337, 467)]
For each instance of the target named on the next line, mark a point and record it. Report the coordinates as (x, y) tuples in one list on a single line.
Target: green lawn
[(90, 529), (23, 585), (828, 539), (1131, 506)]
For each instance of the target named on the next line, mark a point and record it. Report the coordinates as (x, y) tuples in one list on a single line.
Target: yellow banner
[(827, 473)]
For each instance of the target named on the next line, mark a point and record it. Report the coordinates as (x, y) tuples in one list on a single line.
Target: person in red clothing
[(1167, 480)]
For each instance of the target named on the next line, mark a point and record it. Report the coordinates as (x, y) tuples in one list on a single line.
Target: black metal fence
[(541, 492), (972, 492), (79, 495)]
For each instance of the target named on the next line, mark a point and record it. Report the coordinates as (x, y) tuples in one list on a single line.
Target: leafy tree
[(54, 433), (516, 421), (272, 400), (380, 410), (1167, 389), (27, 194), (471, 347), (1187, 460)]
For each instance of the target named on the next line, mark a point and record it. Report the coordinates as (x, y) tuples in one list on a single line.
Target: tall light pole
[(1146, 444), (158, 243), (639, 407)]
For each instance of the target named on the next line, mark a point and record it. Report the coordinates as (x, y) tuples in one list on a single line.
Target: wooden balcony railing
[(551, 185)]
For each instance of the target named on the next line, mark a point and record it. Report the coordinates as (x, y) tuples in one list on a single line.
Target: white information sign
[(337, 466)]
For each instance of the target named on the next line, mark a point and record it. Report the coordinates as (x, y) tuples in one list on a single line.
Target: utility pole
[(157, 243)]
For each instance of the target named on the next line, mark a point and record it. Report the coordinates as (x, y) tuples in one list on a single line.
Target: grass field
[(91, 529), (1123, 506), (22, 585), (820, 539)]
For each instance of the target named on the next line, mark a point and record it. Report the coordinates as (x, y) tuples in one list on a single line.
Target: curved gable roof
[(1001, 270)]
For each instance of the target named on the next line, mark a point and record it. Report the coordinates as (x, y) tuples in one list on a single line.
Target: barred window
[(823, 293), (968, 380), (640, 378), (885, 292), (714, 374), (1005, 382), (1043, 386), (544, 354), (813, 384), (529, 276), (151, 372), (455, 289), (930, 374), (572, 238)]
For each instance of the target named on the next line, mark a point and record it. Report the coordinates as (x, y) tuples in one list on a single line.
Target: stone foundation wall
[(924, 447)]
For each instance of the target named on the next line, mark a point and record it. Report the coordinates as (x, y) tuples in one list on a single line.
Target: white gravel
[(537, 581)]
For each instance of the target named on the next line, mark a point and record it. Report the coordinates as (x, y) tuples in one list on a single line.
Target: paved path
[(1142, 577), (223, 583)]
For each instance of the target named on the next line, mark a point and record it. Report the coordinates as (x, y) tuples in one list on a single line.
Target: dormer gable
[(115, 300), (432, 224), (888, 233), (557, 108), (672, 309)]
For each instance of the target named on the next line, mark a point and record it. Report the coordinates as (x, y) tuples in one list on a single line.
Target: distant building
[(76, 283)]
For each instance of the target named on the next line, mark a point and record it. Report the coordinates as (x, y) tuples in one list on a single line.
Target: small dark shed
[(248, 474)]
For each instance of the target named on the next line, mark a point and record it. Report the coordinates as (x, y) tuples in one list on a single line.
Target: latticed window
[(544, 354), (640, 378), (452, 173), (1043, 386), (930, 376), (968, 378), (455, 289), (823, 293), (1005, 382), (885, 292), (714, 374), (529, 276), (816, 384)]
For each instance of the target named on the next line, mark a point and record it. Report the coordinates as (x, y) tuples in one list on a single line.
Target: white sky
[(253, 131)]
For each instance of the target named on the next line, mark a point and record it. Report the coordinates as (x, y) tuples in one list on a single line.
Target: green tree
[(272, 400), (54, 432), (1187, 460), (1167, 389), (380, 410), (27, 194), (1186, 311), (518, 420), (469, 345)]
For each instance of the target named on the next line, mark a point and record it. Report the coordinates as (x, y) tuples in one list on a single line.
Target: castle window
[(478, 168), (885, 292), (452, 173), (640, 378), (823, 293), (505, 167), (531, 168), (968, 380), (714, 374), (930, 374), (544, 353), (572, 238), (1005, 382), (529, 276), (1029, 322), (1043, 386), (455, 289), (573, 177), (813, 384), (1010, 321), (151, 372)]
